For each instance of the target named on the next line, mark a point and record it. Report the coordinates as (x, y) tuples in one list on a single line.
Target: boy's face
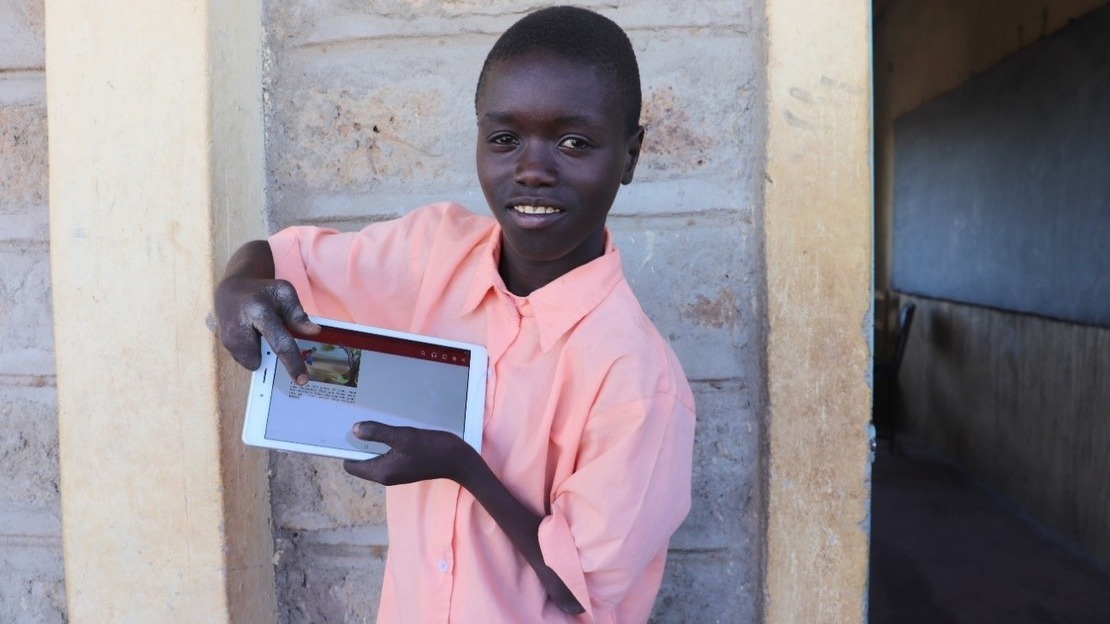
[(552, 151)]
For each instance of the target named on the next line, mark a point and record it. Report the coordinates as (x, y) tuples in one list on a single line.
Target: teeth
[(535, 209)]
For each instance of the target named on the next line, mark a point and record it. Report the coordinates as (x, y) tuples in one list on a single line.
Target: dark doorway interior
[(992, 216), (947, 550)]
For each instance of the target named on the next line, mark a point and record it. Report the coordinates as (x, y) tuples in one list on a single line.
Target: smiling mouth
[(535, 210)]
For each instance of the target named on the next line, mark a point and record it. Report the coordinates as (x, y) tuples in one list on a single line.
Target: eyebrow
[(567, 119)]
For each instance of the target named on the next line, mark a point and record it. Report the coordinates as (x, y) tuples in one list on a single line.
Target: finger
[(243, 343), (356, 467), (373, 431), (297, 320), (289, 307), (282, 342), (374, 469)]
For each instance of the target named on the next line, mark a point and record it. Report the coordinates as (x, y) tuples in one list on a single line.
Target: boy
[(585, 466)]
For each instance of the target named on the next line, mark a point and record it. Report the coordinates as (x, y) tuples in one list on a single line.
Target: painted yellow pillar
[(155, 164), (817, 224)]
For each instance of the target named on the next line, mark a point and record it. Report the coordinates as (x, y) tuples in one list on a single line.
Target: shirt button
[(443, 567)]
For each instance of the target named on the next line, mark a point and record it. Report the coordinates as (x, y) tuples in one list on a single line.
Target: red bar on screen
[(388, 344)]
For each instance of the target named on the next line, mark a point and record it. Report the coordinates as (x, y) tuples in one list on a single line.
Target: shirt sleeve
[(370, 277), (612, 519)]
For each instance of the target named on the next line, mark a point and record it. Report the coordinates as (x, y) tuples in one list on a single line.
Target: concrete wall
[(30, 525), (1021, 401), (370, 114), (366, 102)]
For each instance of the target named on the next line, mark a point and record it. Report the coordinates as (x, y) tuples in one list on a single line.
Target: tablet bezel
[(262, 383)]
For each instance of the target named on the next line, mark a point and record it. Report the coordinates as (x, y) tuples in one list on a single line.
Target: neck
[(522, 277)]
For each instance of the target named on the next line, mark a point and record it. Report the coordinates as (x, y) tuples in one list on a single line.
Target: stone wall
[(30, 526), (370, 114)]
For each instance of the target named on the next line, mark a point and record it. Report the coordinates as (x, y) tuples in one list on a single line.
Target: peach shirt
[(589, 420)]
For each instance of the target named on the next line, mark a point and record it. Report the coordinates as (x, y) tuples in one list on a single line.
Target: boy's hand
[(414, 455), (247, 308), (249, 302)]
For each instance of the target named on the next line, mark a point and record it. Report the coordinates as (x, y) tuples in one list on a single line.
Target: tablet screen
[(354, 376)]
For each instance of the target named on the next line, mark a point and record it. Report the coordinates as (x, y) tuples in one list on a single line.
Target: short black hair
[(578, 35)]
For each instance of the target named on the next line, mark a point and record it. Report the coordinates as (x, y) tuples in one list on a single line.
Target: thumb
[(373, 431)]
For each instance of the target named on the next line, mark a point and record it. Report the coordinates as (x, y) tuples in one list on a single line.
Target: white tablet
[(359, 373)]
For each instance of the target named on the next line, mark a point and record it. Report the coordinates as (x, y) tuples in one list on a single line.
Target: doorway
[(997, 469)]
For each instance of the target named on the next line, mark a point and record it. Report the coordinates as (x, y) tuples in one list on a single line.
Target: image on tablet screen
[(328, 363)]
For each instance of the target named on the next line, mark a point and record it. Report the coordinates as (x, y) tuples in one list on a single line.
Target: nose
[(535, 165)]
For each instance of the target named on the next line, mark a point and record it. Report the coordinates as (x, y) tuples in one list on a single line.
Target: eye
[(503, 139), (575, 143)]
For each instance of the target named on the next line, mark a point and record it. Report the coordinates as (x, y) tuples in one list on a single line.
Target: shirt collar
[(558, 306)]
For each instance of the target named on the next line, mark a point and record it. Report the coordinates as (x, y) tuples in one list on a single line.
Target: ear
[(635, 142)]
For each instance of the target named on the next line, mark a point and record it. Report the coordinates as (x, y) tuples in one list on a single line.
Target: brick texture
[(30, 514)]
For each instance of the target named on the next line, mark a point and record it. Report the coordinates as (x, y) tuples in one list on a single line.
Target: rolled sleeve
[(289, 263), (611, 520), (376, 276), (377, 268)]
